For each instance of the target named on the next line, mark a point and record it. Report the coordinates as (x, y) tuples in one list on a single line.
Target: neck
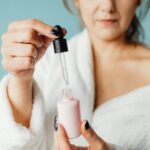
[(110, 49)]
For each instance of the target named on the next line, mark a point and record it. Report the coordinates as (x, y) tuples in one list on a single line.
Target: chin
[(108, 35)]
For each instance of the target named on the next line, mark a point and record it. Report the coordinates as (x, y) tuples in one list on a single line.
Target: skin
[(22, 48), (95, 142), (126, 63), (116, 62), (114, 58)]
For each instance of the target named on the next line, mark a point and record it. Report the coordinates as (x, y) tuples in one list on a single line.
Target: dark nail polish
[(64, 31), (55, 32), (55, 123), (87, 125)]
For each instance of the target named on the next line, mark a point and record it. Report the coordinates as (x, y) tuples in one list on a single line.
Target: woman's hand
[(23, 45), (95, 142)]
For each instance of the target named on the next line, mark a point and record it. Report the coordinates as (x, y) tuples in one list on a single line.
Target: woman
[(108, 71)]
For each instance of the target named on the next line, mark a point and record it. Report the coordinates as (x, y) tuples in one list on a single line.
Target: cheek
[(125, 13), (87, 14), (126, 16)]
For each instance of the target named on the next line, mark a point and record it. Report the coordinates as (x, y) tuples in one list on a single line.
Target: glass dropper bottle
[(68, 107)]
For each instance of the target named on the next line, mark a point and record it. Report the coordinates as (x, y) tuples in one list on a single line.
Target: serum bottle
[(68, 108)]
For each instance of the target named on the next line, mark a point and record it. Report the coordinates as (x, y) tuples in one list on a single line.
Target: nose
[(107, 5)]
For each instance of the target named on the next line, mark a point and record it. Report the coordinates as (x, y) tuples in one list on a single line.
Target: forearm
[(20, 97)]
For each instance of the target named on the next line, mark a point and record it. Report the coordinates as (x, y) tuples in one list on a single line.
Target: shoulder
[(137, 62), (143, 51), (138, 53), (143, 54), (142, 59)]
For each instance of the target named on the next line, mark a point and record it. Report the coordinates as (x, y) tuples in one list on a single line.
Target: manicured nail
[(64, 31), (55, 32), (55, 123), (87, 125)]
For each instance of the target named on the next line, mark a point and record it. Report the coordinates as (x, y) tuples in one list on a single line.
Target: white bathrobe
[(123, 121)]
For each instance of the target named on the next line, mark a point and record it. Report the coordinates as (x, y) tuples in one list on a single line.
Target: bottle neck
[(67, 94)]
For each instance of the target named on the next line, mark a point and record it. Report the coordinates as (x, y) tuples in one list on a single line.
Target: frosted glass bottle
[(69, 114)]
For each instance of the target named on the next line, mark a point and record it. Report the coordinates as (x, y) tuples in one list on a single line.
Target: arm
[(21, 98), (14, 135), (22, 44)]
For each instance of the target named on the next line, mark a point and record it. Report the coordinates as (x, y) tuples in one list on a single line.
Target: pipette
[(60, 47)]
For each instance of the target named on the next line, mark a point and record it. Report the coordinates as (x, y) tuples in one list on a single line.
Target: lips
[(107, 21)]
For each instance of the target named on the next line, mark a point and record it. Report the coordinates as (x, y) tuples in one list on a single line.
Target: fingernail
[(64, 31), (55, 123), (55, 32), (87, 125)]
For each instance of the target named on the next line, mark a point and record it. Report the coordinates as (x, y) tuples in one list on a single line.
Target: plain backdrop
[(49, 11)]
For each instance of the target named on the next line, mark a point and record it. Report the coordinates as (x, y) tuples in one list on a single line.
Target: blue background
[(49, 11)]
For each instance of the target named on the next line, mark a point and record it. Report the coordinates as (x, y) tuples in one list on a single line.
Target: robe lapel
[(86, 77)]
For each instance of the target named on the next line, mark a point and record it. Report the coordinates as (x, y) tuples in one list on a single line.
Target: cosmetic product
[(68, 107)]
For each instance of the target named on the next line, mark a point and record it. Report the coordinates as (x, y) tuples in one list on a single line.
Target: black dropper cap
[(60, 44)]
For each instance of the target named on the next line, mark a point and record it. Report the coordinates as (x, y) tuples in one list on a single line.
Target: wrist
[(20, 97), (19, 91)]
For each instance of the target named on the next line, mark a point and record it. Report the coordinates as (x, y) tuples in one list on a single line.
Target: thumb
[(90, 135)]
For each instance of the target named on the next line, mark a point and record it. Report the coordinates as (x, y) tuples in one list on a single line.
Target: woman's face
[(107, 19)]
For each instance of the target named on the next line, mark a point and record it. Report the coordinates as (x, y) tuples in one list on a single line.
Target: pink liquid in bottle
[(69, 114)]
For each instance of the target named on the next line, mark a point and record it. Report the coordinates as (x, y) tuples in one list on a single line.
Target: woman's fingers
[(34, 24), (79, 147), (88, 133), (28, 40), (92, 138), (20, 50), (18, 63), (62, 142), (61, 139), (23, 36)]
